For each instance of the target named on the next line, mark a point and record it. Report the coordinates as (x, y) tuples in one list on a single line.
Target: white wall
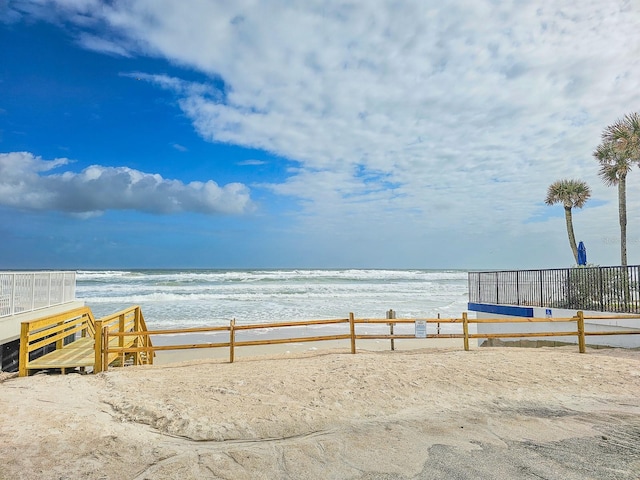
[(10, 326), (625, 341)]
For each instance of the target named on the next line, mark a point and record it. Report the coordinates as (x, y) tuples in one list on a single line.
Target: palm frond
[(614, 166), (604, 152), (609, 174), (570, 193), (624, 136)]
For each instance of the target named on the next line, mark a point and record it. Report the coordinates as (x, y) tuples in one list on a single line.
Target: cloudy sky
[(240, 134)]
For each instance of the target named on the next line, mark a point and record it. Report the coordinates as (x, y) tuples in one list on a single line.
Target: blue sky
[(382, 134)]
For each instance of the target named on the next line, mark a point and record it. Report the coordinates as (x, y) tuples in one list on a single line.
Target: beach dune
[(417, 414)]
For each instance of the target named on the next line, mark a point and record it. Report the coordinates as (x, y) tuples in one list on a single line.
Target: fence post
[(232, 340), (120, 339), (105, 351), (137, 356), (33, 291), (391, 315), (60, 343), (146, 339), (465, 329), (23, 359), (352, 329), (13, 294), (601, 290), (97, 345), (541, 293), (581, 342)]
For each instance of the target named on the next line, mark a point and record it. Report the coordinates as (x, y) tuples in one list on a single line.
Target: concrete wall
[(509, 311)]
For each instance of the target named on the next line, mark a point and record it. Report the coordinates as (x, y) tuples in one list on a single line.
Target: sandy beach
[(327, 414)]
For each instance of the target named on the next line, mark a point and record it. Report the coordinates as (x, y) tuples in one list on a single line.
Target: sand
[(434, 413)]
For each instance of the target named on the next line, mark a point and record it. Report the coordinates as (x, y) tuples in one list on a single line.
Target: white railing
[(27, 291)]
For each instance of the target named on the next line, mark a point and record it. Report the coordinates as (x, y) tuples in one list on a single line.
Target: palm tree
[(570, 193), (619, 149), (613, 171)]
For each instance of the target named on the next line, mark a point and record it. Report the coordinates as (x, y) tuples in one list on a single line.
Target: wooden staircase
[(80, 341)]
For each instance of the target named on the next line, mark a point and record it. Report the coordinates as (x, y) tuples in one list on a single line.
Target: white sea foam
[(212, 297)]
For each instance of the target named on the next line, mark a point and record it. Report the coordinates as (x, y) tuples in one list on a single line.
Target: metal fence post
[(33, 291), (13, 295), (541, 293)]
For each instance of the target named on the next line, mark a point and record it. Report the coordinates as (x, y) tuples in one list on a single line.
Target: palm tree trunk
[(572, 237), (622, 212)]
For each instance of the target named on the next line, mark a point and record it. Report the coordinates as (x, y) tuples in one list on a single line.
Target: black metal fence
[(603, 289)]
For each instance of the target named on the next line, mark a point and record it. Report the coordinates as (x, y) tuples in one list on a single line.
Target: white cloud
[(180, 148), (24, 184), (92, 42), (419, 114), (251, 163)]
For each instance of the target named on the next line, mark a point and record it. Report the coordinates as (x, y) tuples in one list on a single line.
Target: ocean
[(194, 298)]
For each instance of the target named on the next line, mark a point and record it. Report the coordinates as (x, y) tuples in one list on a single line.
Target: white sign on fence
[(421, 329)]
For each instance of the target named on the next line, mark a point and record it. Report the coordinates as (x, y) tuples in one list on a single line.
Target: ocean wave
[(258, 296), (174, 298), (294, 275)]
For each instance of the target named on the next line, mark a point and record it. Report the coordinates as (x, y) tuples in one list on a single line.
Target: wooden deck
[(80, 353), (77, 354), (86, 350)]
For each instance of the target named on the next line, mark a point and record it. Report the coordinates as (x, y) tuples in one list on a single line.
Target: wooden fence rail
[(577, 331), (233, 343), (123, 337)]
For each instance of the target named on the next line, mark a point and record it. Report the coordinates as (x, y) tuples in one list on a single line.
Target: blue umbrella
[(582, 254)]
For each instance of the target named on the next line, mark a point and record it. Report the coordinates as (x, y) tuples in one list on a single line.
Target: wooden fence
[(576, 329)]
